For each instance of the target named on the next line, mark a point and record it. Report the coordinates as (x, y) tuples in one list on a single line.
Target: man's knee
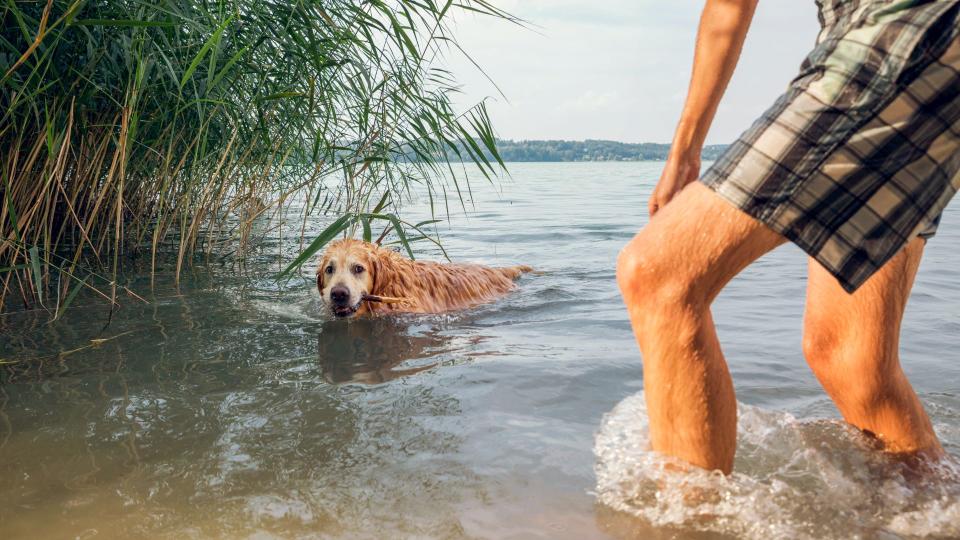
[(840, 349), (821, 346), (646, 278)]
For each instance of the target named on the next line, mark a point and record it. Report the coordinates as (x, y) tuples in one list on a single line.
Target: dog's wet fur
[(352, 269)]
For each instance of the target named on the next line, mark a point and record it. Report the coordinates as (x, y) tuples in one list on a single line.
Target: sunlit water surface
[(233, 407)]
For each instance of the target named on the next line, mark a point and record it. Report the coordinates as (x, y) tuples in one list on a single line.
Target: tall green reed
[(129, 126)]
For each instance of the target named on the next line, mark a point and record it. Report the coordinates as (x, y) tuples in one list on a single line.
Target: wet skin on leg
[(669, 275), (851, 341)]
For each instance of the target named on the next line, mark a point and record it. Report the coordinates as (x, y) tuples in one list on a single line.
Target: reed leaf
[(328, 234)]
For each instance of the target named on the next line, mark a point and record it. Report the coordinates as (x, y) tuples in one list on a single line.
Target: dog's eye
[(357, 269), (329, 269)]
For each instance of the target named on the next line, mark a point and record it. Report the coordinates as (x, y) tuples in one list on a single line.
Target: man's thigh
[(871, 315), (700, 240)]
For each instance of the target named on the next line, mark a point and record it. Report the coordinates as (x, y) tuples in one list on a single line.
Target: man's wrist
[(686, 141), (685, 152)]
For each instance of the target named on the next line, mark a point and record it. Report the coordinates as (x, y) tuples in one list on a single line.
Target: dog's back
[(432, 287)]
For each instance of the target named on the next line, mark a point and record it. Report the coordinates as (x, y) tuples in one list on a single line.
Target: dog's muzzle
[(340, 302), (344, 311)]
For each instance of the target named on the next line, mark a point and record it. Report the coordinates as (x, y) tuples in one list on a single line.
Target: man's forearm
[(723, 29)]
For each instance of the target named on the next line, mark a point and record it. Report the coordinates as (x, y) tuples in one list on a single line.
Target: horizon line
[(505, 139)]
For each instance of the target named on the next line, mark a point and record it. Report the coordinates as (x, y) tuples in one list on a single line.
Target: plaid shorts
[(862, 152)]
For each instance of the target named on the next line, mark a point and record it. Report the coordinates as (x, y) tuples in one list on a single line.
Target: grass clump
[(130, 125)]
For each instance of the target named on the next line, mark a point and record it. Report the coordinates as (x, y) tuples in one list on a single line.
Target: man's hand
[(679, 171)]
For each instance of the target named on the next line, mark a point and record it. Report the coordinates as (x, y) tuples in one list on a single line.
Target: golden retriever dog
[(356, 277)]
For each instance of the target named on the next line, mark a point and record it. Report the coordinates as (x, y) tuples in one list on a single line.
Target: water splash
[(793, 479)]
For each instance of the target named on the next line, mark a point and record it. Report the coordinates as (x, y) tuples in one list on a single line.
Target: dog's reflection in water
[(371, 350)]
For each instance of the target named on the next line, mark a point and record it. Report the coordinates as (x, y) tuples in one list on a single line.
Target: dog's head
[(347, 271)]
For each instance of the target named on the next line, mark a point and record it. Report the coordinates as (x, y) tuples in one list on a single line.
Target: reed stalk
[(129, 127)]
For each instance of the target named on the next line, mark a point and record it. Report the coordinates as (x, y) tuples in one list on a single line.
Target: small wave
[(792, 479)]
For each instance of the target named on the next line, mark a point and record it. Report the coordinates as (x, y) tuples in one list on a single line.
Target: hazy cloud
[(618, 69)]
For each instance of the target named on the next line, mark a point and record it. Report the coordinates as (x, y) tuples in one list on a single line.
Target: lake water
[(233, 407)]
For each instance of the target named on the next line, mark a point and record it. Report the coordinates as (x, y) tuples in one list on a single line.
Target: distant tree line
[(592, 150)]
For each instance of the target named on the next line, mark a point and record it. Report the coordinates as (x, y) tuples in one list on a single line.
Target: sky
[(619, 69)]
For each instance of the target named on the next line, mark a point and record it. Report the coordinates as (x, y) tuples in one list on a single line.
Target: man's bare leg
[(851, 342), (669, 275)]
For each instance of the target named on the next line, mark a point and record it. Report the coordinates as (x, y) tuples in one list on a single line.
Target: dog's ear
[(375, 267), (379, 270), (321, 271)]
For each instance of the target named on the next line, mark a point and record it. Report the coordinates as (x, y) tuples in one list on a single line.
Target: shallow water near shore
[(233, 407)]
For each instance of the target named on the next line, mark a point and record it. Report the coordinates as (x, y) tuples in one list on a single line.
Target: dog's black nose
[(340, 295)]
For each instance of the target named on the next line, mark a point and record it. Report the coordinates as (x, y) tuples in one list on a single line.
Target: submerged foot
[(917, 466)]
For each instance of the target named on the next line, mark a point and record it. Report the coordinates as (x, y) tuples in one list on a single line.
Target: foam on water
[(793, 479)]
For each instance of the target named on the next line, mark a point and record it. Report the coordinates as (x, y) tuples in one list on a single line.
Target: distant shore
[(591, 150)]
